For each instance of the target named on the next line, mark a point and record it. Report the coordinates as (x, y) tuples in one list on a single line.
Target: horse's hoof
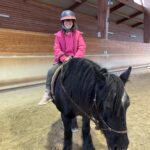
[(75, 130)]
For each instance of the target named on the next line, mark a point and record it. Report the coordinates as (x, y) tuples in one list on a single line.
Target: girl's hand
[(68, 58)]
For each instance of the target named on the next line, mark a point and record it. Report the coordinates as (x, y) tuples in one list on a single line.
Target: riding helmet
[(67, 14)]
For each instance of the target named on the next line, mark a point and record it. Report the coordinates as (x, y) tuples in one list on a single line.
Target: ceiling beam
[(116, 7), (130, 17), (136, 24), (76, 4), (125, 16), (111, 9), (132, 4)]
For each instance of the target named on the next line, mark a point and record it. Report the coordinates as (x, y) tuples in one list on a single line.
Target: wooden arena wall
[(29, 15), (26, 56)]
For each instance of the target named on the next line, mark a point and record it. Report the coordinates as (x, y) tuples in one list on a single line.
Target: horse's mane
[(87, 79)]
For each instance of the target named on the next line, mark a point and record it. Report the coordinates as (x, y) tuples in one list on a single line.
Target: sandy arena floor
[(26, 126)]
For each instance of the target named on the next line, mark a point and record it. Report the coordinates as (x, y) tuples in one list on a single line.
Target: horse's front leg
[(87, 140), (67, 133)]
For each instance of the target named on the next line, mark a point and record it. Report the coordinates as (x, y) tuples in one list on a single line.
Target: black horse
[(84, 88)]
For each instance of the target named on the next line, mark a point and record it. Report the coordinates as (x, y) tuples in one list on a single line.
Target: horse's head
[(113, 107)]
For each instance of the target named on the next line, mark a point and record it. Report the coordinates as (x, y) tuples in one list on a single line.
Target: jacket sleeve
[(81, 47), (58, 53)]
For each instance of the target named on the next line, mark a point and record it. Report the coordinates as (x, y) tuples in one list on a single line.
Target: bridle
[(108, 128)]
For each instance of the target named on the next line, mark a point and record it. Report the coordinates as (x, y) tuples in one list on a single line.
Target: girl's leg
[(46, 97)]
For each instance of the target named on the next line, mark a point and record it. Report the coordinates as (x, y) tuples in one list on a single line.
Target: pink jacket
[(71, 44)]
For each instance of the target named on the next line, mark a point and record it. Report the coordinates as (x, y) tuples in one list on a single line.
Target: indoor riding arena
[(117, 36)]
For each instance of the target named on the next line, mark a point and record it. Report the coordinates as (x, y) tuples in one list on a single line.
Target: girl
[(68, 43)]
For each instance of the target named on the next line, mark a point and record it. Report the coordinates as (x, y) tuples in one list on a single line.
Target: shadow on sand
[(55, 138)]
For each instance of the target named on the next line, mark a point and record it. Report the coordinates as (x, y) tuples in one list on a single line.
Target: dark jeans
[(50, 73)]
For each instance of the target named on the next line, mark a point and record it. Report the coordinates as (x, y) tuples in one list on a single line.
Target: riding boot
[(46, 98)]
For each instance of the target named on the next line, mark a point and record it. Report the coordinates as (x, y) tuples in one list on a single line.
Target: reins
[(108, 128)]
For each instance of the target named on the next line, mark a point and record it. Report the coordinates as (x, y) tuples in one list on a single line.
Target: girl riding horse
[(69, 43)]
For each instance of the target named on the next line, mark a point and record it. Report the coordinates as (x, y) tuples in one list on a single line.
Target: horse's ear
[(125, 75), (101, 78), (103, 70)]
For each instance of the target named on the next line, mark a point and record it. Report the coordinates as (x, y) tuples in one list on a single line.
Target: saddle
[(53, 81)]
